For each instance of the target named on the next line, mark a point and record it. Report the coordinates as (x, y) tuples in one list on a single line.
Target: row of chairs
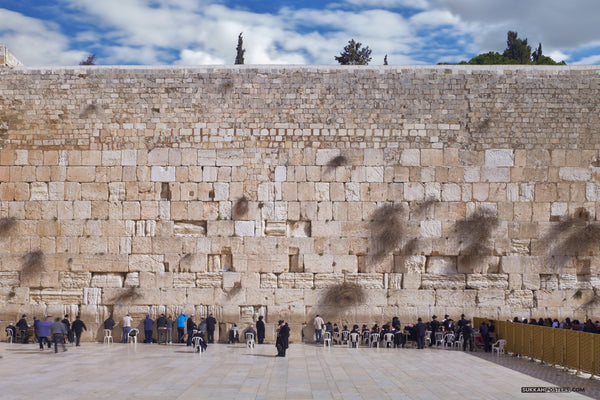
[(132, 337), (353, 339)]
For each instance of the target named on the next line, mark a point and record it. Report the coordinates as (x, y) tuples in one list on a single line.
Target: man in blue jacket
[(148, 323), (44, 332), (181, 327)]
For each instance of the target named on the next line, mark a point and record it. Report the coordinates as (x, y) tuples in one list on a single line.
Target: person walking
[(44, 332), (127, 321), (318, 324), (68, 326), (211, 323), (78, 327), (260, 330), (181, 327), (283, 337), (59, 333), (148, 324)]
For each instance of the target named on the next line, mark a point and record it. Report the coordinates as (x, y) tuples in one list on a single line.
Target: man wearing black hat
[(435, 327), (467, 332), (283, 336), (420, 328)]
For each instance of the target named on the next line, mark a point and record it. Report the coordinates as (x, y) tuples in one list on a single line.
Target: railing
[(570, 349)]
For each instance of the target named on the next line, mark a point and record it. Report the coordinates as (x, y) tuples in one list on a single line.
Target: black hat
[(280, 322), (434, 317), (420, 320)]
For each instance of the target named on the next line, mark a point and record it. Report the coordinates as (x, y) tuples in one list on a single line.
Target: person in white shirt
[(318, 323), (127, 321)]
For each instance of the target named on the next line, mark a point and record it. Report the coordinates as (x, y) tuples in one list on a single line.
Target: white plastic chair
[(388, 340), (498, 347), (133, 334), (439, 338), (448, 340), (459, 343), (327, 339), (427, 338), (374, 340), (108, 336), (354, 340), (9, 335), (250, 339), (345, 338), (197, 346), (337, 338)]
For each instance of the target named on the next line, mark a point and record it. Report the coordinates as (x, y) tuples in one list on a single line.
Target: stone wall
[(247, 191)]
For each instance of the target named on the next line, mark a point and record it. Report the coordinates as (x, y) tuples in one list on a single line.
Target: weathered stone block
[(431, 281), (411, 297), (499, 158), (411, 280), (209, 280), (184, 279), (410, 264), (148, 263), (323, 281), (519, 298), (74, 280), (491, 297), (488, 281), (367, 281), (441, 265), (316, 263), (456, 298)]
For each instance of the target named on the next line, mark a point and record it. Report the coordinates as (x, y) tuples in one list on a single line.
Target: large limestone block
[(456, 298), (230, 157), (231, 279), (411, 297), (9, 279), (411, 281), (209, 280), (433, 281), (345, 264), (531, 282), (193, 262), (574, 174), (107, 281), (146, 262), (220, 228), (410, 264), (573, 281), (318, 263), (260, 297), (56, 296), (323, 281), (267, 263), (251, 280), (490, 297), (289, 296), (268, 281), (100, 263), (74, 280), (488, 281), (292, 280), (184, 279), (235, 295), (478, 264), (524, 264), (199, 296), (367, 281), (441, 265), (499, 158), (519, 298), (327, 229)]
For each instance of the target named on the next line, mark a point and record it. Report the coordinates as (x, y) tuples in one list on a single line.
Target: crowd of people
[(48, 330), (438, 332), (576, 325)]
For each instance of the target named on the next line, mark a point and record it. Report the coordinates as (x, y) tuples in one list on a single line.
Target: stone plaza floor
[(151, 371)]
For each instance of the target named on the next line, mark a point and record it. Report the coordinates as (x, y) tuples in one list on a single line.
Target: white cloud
[(416, 4), (35, 42)]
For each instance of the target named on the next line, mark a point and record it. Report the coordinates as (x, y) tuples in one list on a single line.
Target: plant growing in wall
[(336, 161), (7, 224), (240, 208), (386, 226), (32, 264), (128, 295), (344, 295), (475, 233)]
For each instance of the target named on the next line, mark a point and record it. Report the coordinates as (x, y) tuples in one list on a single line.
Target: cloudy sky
[(193, 32)]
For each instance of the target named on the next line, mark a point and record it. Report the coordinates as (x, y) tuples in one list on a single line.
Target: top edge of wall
[(314, 68)]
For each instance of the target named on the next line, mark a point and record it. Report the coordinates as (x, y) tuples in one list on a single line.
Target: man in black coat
[(78, 327), (467, 332), (23, 327), (435, 326), (283, 338), (68, 325), (191, 325), (420, 329), (211, 322), (260, 330), (109, 323)]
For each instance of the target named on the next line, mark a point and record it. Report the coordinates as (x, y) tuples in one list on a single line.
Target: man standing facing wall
[(211, 322), (127, 321), (318, 328)]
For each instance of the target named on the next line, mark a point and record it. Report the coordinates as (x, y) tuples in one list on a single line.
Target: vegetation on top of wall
[(6, 224), (33, 263), (240, 208), (387, 229)]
